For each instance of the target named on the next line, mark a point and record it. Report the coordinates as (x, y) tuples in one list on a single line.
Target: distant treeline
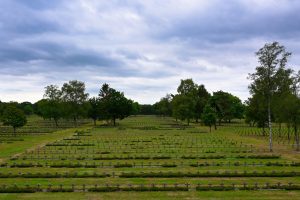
[(274, 97)]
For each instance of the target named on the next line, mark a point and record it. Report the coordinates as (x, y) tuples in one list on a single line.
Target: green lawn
[(147, 144)]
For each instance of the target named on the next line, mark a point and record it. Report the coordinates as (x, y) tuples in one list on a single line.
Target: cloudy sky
[(140, 47)]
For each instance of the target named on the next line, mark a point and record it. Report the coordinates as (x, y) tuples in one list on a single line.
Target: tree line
[(194, 102), (71, 102)]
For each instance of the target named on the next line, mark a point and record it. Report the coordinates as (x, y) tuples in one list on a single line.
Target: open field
[(159, 156)]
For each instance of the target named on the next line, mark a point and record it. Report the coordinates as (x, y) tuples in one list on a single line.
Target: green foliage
[(202, 97), (50, 109), (209, 116), (135, 108), (14, 117), (113, 104), (94, 109), (147, 109), (74, 98), (227, 106), (164, 106), (26, 107), (183, 107)]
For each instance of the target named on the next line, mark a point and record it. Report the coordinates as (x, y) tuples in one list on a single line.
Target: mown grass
[(148, 144)]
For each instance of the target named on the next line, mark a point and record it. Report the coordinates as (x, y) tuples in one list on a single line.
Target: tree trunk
[(75, 121), (56, 124), (95, 122), (188, 121), (270, 125), (279, 131), (215, 126), (296, 137), (289, 128)]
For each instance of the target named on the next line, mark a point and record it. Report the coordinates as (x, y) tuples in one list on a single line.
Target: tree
[(13, 116), (26, 107), (74, 98), (113, 104), (202, 97), (184, 103), (147, 109), (187, 87), (209, 116), (183, 107), (51, 106), (164, 106), (1, 109), (136, 109), (255, 112), (272, 58), (94, 109), (227, 106), (292, 115)]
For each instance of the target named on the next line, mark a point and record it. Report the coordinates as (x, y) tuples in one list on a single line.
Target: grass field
[(148, 157)]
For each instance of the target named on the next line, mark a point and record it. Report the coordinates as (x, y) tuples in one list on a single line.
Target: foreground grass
[(145, 136)]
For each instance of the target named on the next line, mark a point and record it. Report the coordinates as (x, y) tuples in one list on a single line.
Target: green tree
[(227, 106), (94, 109), (183, 107), (272, 58), (187, 87), (184, 103), (113, 104), (1, 109), (201, 98), (26, 107), (13, 116), (147, 109), (164, 106), (136, 108), (292, 115), (51, 106), (209, 116), (74, 98), (255, 112)]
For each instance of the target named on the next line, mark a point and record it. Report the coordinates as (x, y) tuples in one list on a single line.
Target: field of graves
[(148, 156)]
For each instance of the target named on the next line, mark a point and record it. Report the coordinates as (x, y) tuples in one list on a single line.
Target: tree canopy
[(13, 116)]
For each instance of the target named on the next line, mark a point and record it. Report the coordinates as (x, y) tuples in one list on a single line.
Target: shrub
[(123, 165), (168, 165)]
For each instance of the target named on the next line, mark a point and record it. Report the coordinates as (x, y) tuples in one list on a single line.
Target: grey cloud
[(149, 49), (231, 21)]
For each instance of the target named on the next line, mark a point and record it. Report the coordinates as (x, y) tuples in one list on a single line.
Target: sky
[(143, 48)]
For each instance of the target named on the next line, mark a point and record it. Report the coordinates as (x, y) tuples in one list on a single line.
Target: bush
[(60, 190), (161, 157), (17, 190), (168, 165), (259, 156), (214, 188), (123, 165), (137, 189)]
